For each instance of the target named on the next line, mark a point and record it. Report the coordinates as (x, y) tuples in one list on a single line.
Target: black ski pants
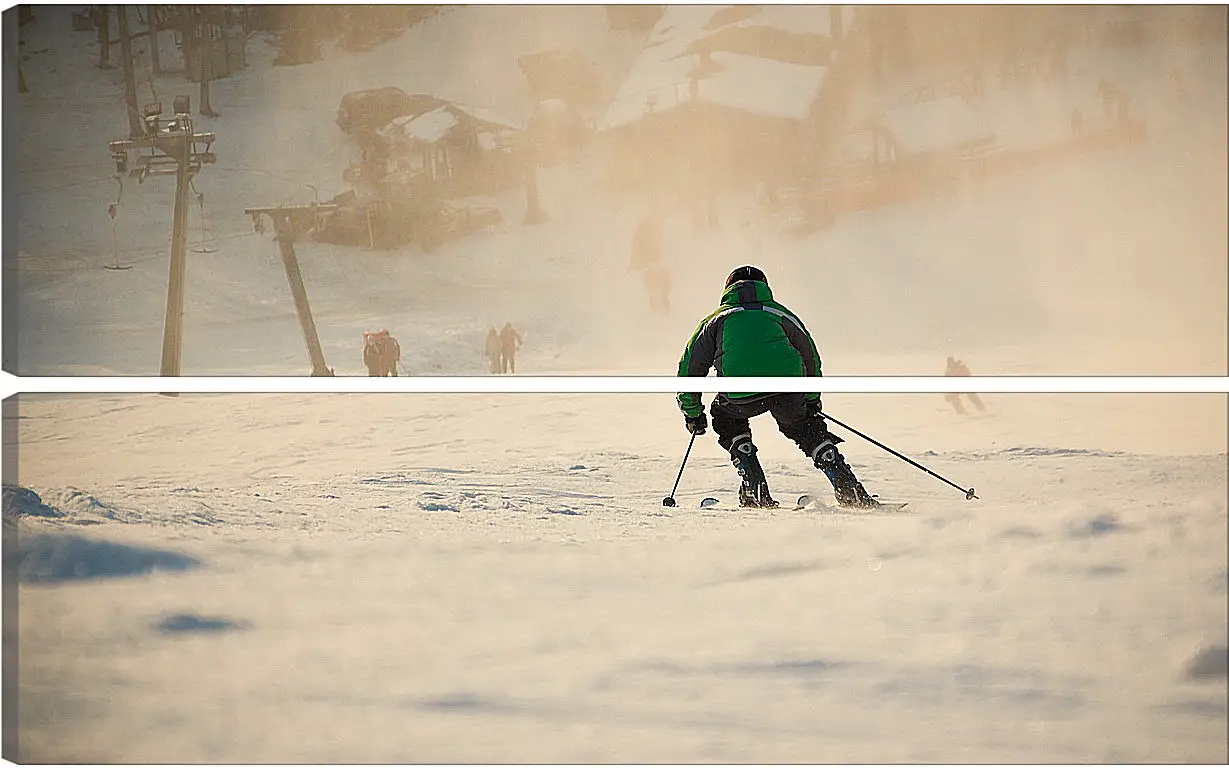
[(731, 418)]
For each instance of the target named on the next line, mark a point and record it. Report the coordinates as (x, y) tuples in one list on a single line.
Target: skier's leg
[(954, 399), (813, 437), (977, 403), (731, 422)]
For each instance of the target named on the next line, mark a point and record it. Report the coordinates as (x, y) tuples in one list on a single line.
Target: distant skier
[(509, 342), (646, 244), (646, 258), (381, 352), (1115, 101), (1178, 76), (750, 334), (957, 368), (1077, 121), (494, 350), (657, 286)]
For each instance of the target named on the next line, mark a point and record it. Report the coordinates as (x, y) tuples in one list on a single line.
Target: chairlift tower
[(172, 147), (289, 223)]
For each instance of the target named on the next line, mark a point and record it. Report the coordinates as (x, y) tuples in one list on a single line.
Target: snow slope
[(1111, 264), (463, 578)]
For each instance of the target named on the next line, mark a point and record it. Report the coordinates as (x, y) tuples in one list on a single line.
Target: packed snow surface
[(476, 578)]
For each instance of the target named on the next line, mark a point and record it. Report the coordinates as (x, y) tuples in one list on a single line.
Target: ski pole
[(968, 493), (669, 500)]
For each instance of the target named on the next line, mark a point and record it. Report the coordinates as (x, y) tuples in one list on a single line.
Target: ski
[(807, 501), (711, 502)]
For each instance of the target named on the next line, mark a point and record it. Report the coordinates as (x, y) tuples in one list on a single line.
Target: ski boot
[(853, 494), (754, 489), (849, 492), (755, 496)]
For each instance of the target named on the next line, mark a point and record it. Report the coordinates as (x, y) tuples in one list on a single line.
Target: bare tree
[(155, 60), (102, 17), (136, 126), (205, 51)]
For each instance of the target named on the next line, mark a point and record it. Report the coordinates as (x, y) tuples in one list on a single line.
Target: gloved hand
[(696, 425), (814, 407)]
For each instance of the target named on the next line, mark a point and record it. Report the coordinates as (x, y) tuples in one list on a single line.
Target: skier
[(750, 334), (646, 257), (646, 244), (657, 285), (381, 352), (493, 350), (509, 342), (957, 368)]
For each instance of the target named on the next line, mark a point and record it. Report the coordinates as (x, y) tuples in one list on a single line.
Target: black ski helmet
[(746, 272)]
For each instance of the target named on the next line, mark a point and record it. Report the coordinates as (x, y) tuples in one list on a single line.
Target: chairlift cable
[(112, 210), (200, 199)]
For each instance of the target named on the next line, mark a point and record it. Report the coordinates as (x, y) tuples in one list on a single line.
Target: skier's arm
[(801, 340), (696, 360)]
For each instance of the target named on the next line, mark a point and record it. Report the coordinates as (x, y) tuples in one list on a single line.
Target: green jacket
[(748, 335)]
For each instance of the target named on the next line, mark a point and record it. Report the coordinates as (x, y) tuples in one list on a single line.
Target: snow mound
[(1056, 452), (432, 503), (23, 502), (78, 503), (66, 505)]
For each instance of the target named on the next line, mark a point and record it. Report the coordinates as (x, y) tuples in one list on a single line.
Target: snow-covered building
[(444, 143), (723, 95)]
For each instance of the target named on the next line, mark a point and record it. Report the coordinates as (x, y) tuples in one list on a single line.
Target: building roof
[(661, 78), (428, 127), (494, 117), (432, 126), (804, 19), (763, 86)]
